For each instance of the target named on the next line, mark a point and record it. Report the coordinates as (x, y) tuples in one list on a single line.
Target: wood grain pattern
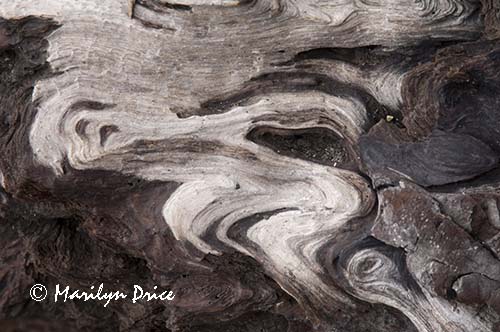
[(281, 165)]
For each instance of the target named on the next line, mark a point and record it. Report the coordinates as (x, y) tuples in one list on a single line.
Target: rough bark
[(280, 165)]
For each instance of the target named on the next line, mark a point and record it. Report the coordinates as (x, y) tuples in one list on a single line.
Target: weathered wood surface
[(282, 165)]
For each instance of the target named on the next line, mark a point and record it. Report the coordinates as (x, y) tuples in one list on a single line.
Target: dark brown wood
[(278, 165)]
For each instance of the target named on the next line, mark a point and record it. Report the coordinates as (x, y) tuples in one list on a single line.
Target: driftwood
[(280, 165)]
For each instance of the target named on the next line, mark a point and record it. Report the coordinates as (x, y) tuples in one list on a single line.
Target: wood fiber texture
[(280, 165)]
